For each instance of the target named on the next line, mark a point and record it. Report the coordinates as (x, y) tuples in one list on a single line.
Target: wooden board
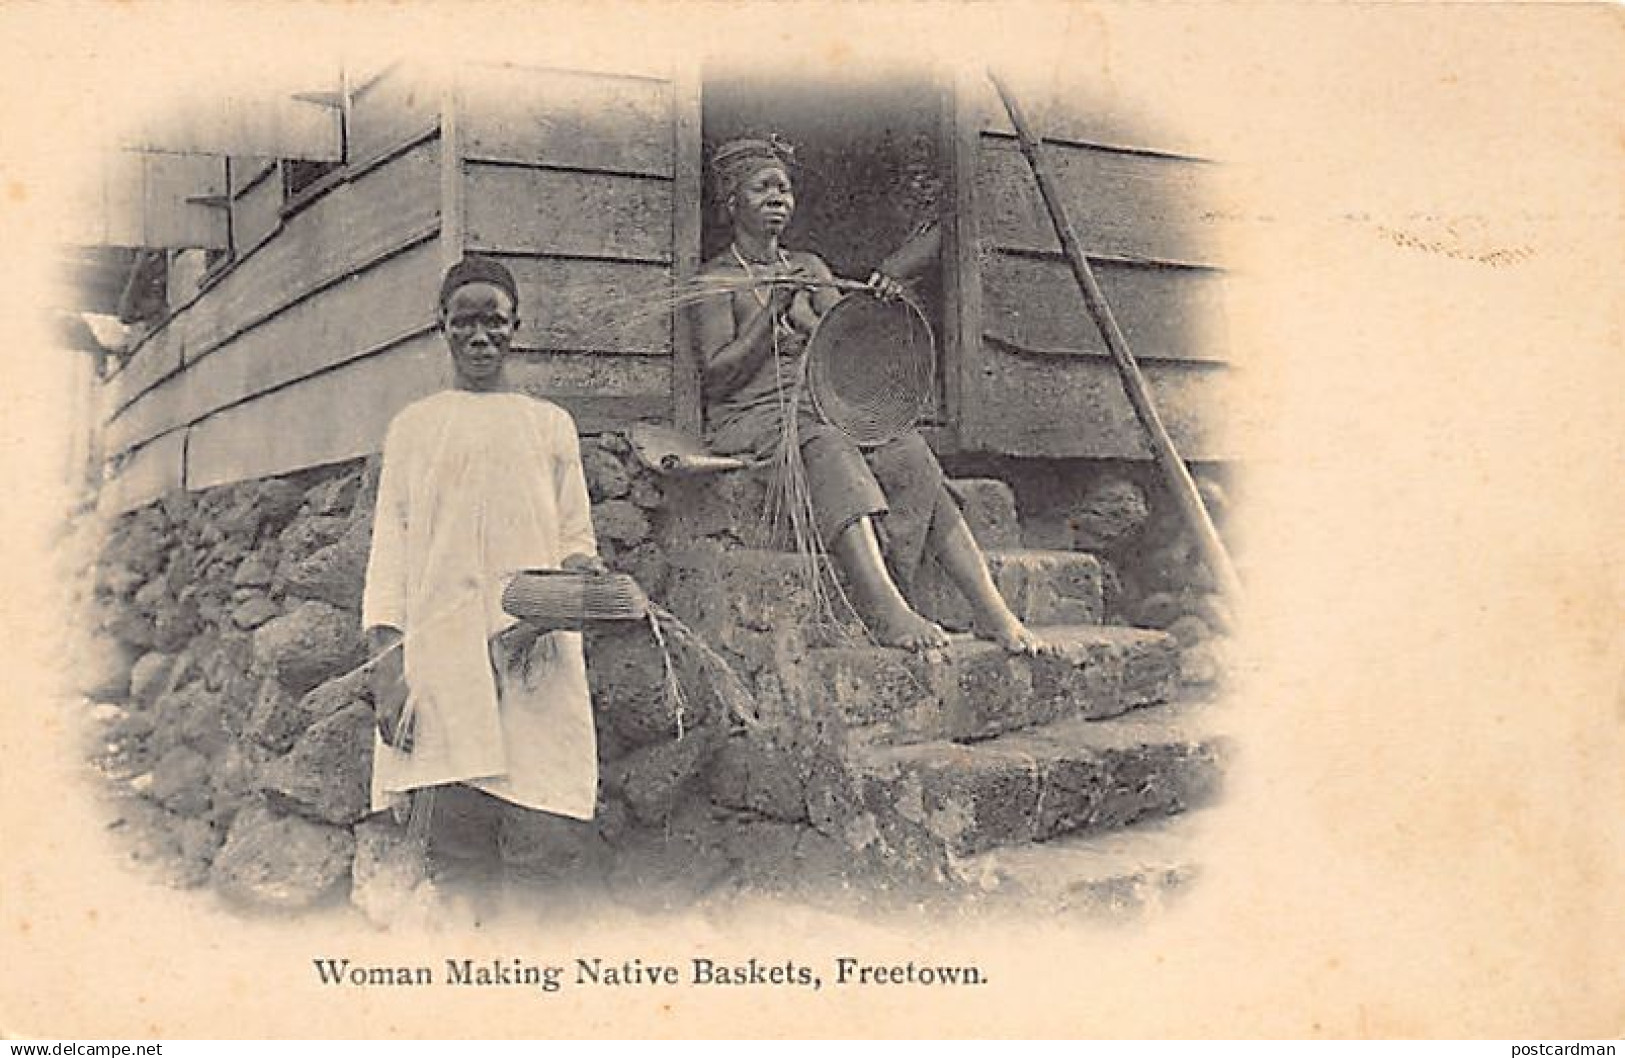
[(367, 311), (234, 119), (1076, 113), (385, 304), (688, 177), (1129, 205), (339, 414), (569, 119), (602, 391), (141, 199), (1166, 313), (603, 374), (156, 359), (256, 209), (401, 103), (147, 474), (613, 306), (1070, 407), (343, 230), (515, 209), (159, 410)]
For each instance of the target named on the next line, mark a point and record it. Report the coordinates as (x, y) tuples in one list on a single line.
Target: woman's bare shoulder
[(809, 260)]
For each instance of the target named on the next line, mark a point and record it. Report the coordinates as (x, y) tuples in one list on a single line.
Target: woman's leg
[(882, 607), (966, 566), (845, 498)]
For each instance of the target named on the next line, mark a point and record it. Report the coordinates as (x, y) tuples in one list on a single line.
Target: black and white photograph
[(753, 520)]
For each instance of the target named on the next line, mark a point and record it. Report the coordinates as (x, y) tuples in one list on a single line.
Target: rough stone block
[(1159, 610), (628, 681), (327, 773), (279, 717), (1067, 777), (150, 676), (990, 510), (312, 643), (180, 782), (117, 580), (254, 611), (308, 535), (336, 495), (977, 690), (1041, 588), (193, 716), (257, 506), (224, 656), (731, 505), (281, 862), (652, 780), (108, 666), (620, 522), (607, 478), (1111, 512), (757, 773), (334, 574), (255, 571)]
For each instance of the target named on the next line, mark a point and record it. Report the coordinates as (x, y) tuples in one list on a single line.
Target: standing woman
[(752, 341)]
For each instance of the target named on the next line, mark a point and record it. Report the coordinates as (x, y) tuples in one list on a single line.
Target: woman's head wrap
[(735, 161), (479, 270)]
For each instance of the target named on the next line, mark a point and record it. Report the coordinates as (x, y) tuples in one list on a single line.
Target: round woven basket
[(871, 367)]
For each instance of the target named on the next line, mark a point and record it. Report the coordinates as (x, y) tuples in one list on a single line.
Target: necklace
[(744, 263)]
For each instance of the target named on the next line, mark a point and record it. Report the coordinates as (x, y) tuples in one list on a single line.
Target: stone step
[(1042, 587), (735, 505), (976, 690), (1117, 875), (1071, 776), (721, 590)]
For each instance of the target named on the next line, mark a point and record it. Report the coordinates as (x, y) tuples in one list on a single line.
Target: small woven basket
[(568, 600)]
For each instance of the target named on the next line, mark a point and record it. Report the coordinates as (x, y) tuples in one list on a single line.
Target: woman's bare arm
[(730, 358), (823, 297)]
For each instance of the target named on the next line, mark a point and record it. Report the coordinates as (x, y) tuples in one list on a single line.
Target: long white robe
[(475, 487)]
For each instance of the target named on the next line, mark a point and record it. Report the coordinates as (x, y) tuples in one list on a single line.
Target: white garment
[(474, 488)]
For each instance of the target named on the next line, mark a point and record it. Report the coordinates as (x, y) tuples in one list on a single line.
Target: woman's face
[(764, 201)]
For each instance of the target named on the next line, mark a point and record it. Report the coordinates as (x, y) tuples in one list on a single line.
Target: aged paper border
[(1423, 832)]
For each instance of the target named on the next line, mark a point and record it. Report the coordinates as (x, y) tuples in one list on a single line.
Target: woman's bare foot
[(910, 631), (1015, 637)]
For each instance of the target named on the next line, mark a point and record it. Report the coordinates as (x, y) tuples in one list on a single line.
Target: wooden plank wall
[(1040, 381), (569, 179), (301, 350)]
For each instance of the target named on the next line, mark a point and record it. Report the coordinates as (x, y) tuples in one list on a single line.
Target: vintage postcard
[(813, 520)]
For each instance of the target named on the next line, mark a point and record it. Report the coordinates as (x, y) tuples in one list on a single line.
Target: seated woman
[(752, 341)]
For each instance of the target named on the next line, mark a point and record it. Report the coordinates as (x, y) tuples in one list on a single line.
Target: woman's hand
[(785, 288), (884, 286)]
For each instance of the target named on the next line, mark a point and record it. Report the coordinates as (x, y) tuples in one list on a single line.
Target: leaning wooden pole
[(1174, 472)]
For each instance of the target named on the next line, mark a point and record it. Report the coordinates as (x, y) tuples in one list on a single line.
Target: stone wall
[(238, 730), (238, 725)]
